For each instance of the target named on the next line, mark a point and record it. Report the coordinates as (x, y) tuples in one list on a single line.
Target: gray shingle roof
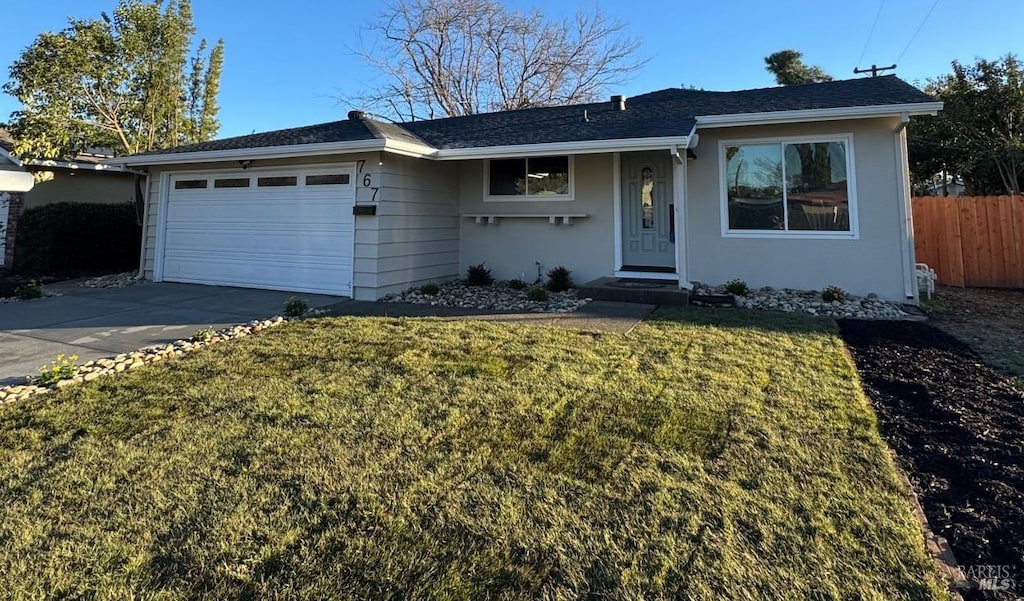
[(670, 112)]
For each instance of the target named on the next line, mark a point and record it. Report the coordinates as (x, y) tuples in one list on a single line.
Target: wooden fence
[(971, 240)]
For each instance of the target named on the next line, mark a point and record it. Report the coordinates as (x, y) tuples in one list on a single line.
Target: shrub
[(203, 335), (61, 368), (516, 284), (737, 287), (430, 289), (29, 291), (537, 294), (77, 238), (559, 279), (295, 307), (479, 275), (833, 293)]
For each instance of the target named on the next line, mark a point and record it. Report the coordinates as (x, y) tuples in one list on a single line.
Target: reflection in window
[(189, 184), (754, 182), (531, 176), (816, 192), (791, 187), (647, 197), (327, 180), (268, 182), (232, 182)]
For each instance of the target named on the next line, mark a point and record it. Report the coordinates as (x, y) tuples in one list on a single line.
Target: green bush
[(559, 279), (833, 293), (737, 287), (537, 294), (29, 291), (203, 335), (61, 368), (479, 275), (68, 239), (295, 307), (516, 284), (430, 289)]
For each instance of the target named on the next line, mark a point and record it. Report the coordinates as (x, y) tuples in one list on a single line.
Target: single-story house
[(796, 187), (83, 178)]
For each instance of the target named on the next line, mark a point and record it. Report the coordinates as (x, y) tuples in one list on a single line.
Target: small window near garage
[(339, 179), (189, 184), (530, 178), (270, 182), (231, 182)]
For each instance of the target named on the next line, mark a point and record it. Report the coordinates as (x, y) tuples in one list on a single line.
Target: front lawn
[(400, 459)]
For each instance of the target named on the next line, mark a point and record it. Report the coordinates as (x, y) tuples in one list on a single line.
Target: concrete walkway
[(596, 316), (94, 323)]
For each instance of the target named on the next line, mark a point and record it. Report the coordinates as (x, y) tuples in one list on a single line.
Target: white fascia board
[(832, 114), (584, 147), (75, 165), (15, 180), (410, 149), (10, 157), (267, 152)]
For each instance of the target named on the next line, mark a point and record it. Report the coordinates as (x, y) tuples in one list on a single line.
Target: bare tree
[(459, 57)]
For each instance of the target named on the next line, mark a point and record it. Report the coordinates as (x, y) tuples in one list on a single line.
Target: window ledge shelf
[(553, 219)]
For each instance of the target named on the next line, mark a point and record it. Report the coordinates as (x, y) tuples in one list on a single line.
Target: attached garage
[(282, 229)]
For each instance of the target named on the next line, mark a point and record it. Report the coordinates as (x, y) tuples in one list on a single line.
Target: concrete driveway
[(94, 323)]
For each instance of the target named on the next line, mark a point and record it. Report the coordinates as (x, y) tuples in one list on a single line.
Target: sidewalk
[(596, 316)]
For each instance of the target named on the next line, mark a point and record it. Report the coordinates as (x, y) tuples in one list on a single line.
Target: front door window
[(647, 197)]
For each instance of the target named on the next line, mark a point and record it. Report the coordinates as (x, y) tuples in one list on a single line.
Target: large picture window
[(789, 187), (529, 178)]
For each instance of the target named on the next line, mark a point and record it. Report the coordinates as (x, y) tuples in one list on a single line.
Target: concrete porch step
[(635, 290)]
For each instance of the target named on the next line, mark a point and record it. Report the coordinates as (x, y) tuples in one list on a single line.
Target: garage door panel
[(287, 238), (254, 242)]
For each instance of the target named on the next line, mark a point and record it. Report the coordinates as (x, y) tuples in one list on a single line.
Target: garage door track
[(94, 323)]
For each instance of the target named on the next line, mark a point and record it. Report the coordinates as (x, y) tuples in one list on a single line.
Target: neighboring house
[(85, 178), (796, 187), (15, 180)]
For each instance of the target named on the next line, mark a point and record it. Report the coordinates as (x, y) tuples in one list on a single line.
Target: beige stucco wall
[(82, 186), (513, 247), (872, 263)]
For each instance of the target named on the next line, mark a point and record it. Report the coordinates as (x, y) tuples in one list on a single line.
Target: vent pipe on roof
[(356, 115), (619, 102)]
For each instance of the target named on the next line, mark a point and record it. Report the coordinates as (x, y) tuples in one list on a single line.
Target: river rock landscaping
[(807, 301), (496, 297), (127, 361)]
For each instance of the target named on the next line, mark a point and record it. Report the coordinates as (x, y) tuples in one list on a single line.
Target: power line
[(874, 24), (913, 37)]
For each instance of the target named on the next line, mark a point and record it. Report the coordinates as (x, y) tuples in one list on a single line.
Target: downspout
[(141, 209), (907, 254)]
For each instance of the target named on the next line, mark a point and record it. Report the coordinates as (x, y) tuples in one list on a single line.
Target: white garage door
[(289, 229)]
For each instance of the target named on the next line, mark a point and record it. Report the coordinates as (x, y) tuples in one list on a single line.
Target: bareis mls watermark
[(985, 577)]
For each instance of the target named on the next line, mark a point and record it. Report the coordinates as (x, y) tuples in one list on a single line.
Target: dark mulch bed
[(957, 427)]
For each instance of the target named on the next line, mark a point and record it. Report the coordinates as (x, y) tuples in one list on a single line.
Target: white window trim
[(532, 197), (851, 185)]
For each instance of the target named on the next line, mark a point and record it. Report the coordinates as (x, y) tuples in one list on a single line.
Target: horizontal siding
[(417, 224)]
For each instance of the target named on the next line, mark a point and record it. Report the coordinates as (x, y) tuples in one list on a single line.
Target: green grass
[(705, 455)]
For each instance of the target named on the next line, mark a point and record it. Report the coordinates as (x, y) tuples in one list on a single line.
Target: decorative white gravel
[(496, 297), (114, 280), (810, 302), (98, 368)]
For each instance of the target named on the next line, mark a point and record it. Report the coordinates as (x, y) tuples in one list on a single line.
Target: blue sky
[(286, 63)]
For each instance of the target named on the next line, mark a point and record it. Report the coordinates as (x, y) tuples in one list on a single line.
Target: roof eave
[(265, 152), (579, 147), (810, 115)]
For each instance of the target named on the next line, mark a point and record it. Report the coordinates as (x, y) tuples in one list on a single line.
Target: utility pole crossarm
[(874, 70)]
